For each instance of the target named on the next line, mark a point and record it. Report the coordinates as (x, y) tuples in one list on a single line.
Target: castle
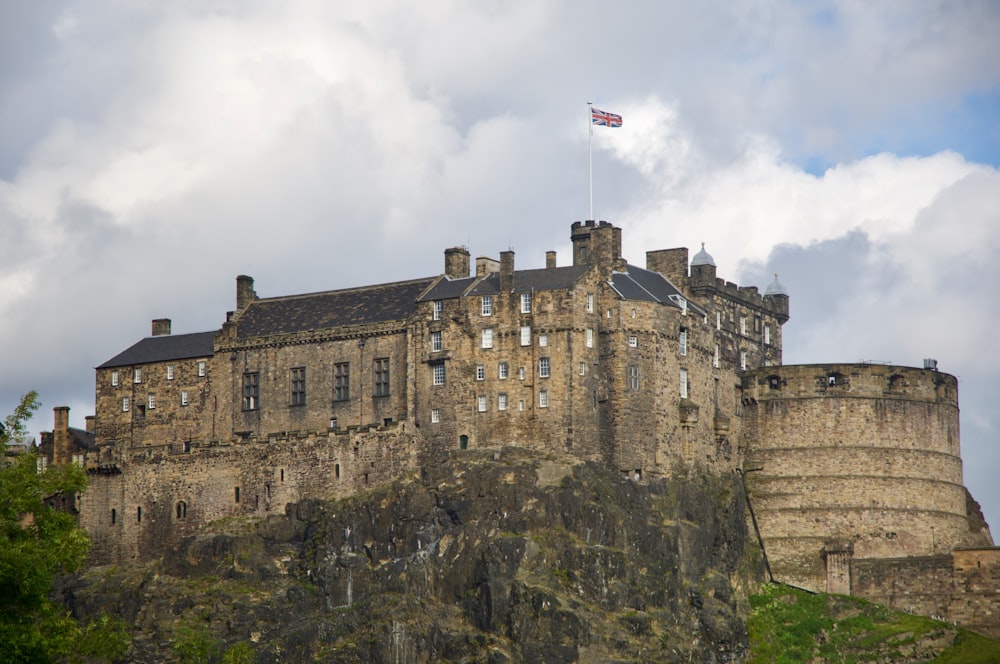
[(854, 470)]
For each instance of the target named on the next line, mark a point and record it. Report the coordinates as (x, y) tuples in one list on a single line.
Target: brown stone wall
[(976, 602), (921, 585)]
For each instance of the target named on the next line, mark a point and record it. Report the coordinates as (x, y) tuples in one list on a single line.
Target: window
[(342, 381), (487, 305), (137, 375), (138, 514), (125, 404), (381, 377), (743, 325), (182, 510), (251, 391), (184, 398), (715, 358), (503, 369), (438, 374), (488, 337), (767, 334), (583, 368), (170, 372), (525, 335), (590, 303), (743, 360), (520, 404), (633, 341), (437, 308), (525, 303), (152, 401), (114, 516), (480, 372), (543, 340), (435, 342), (718, 320), (299, 386), (589, 338), (201, 369), (502, 401), (114, 379), (544, 367), (682, 341), (684, 383), (756, 323), (481, 403), (520, 373), (435, 415), (543, 399), (632, 377)]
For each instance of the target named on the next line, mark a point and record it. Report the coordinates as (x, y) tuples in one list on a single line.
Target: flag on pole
[(604, 119)]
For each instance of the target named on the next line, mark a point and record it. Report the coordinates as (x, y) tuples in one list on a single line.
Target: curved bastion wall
[(857, 458)]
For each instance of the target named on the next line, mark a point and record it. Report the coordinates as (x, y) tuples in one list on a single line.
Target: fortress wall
[(977, 580), (269, 474), (863, 453), (917, 585)]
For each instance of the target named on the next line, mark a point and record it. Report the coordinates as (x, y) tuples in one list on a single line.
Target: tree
[(37, 542)]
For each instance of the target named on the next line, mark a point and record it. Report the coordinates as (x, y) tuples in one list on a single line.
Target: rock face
[(485, 558)]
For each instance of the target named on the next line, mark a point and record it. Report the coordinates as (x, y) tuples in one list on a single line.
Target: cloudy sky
[(150, 152)]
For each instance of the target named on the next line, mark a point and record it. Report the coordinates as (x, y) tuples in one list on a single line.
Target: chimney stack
[(550, 259), (90, 420), (60, 435), (244, 292), (161, 327), (456, 262), (507, 271)]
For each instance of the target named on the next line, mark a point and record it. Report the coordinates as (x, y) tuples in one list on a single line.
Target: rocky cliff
[(486, 557)]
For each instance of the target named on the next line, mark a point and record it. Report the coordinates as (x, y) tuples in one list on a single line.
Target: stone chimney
[(244, 292), (456, 262), (486, 266), (597, 243), (161, 327), (89, 423), (550, 260), (506, 271), (60, 435), (671, 263)]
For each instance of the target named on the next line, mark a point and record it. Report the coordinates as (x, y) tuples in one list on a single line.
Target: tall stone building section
[(643, 369)]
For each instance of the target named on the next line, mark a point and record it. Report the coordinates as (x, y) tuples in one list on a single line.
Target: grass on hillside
[(790, 626)]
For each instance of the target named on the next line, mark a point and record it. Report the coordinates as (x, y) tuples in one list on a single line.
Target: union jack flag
[(604, 119)]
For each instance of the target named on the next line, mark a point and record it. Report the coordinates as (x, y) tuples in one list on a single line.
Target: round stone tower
[(853, 461)]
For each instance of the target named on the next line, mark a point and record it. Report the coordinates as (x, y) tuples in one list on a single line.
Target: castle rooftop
[(163, 348)]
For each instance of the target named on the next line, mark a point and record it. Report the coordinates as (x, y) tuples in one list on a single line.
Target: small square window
[(170, 372), (201, 369), (633, 341), (502, 401), (543, 399), (525, 303), (525, 335), (487, 305), (480, 372), (184, 398), (543, 340), (435, 415), (503, 369), (488, 337), (435, 342), (437, 308), (438, 374), (114, 379), (544, 367), (481, 403)]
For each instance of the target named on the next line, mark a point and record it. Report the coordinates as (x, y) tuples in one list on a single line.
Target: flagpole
[(590, 155)]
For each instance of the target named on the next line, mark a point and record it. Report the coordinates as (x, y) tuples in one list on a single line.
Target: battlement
[(858, 380)]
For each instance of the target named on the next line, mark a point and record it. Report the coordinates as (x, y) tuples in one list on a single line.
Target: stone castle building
[(854, 470)]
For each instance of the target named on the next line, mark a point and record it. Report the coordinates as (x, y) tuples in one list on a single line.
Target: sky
[(151, 152)]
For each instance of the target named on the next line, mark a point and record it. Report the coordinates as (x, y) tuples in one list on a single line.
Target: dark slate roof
[(320, 311), (646, 285), (448, 289), (84, 439), (542, 279), (166, 347)]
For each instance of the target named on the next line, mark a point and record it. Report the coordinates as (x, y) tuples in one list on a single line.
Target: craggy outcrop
[(487, 557)]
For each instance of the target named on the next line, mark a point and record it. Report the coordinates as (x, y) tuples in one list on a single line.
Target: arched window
[(463, 442), (182, 510)]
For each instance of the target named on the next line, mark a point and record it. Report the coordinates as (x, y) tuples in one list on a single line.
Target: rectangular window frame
[(480, 372), (503, 371), (486, 305), (437, 308), (114, 378), (137, 375), (525, 303), (436, 343), (126, 404), (297, 376), (502, 401), (632, 377), (482, 403), (487, 337), (170, 372), (589, 307), (525, 335), (683, 383), (682, 341), (633, 341), (435, 415), (543, 398), (544, 367), (151, 401), (201, 368), (185, 398), (437, 374), (342, 381), (588, 337), (251, 391), (380, 368)]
